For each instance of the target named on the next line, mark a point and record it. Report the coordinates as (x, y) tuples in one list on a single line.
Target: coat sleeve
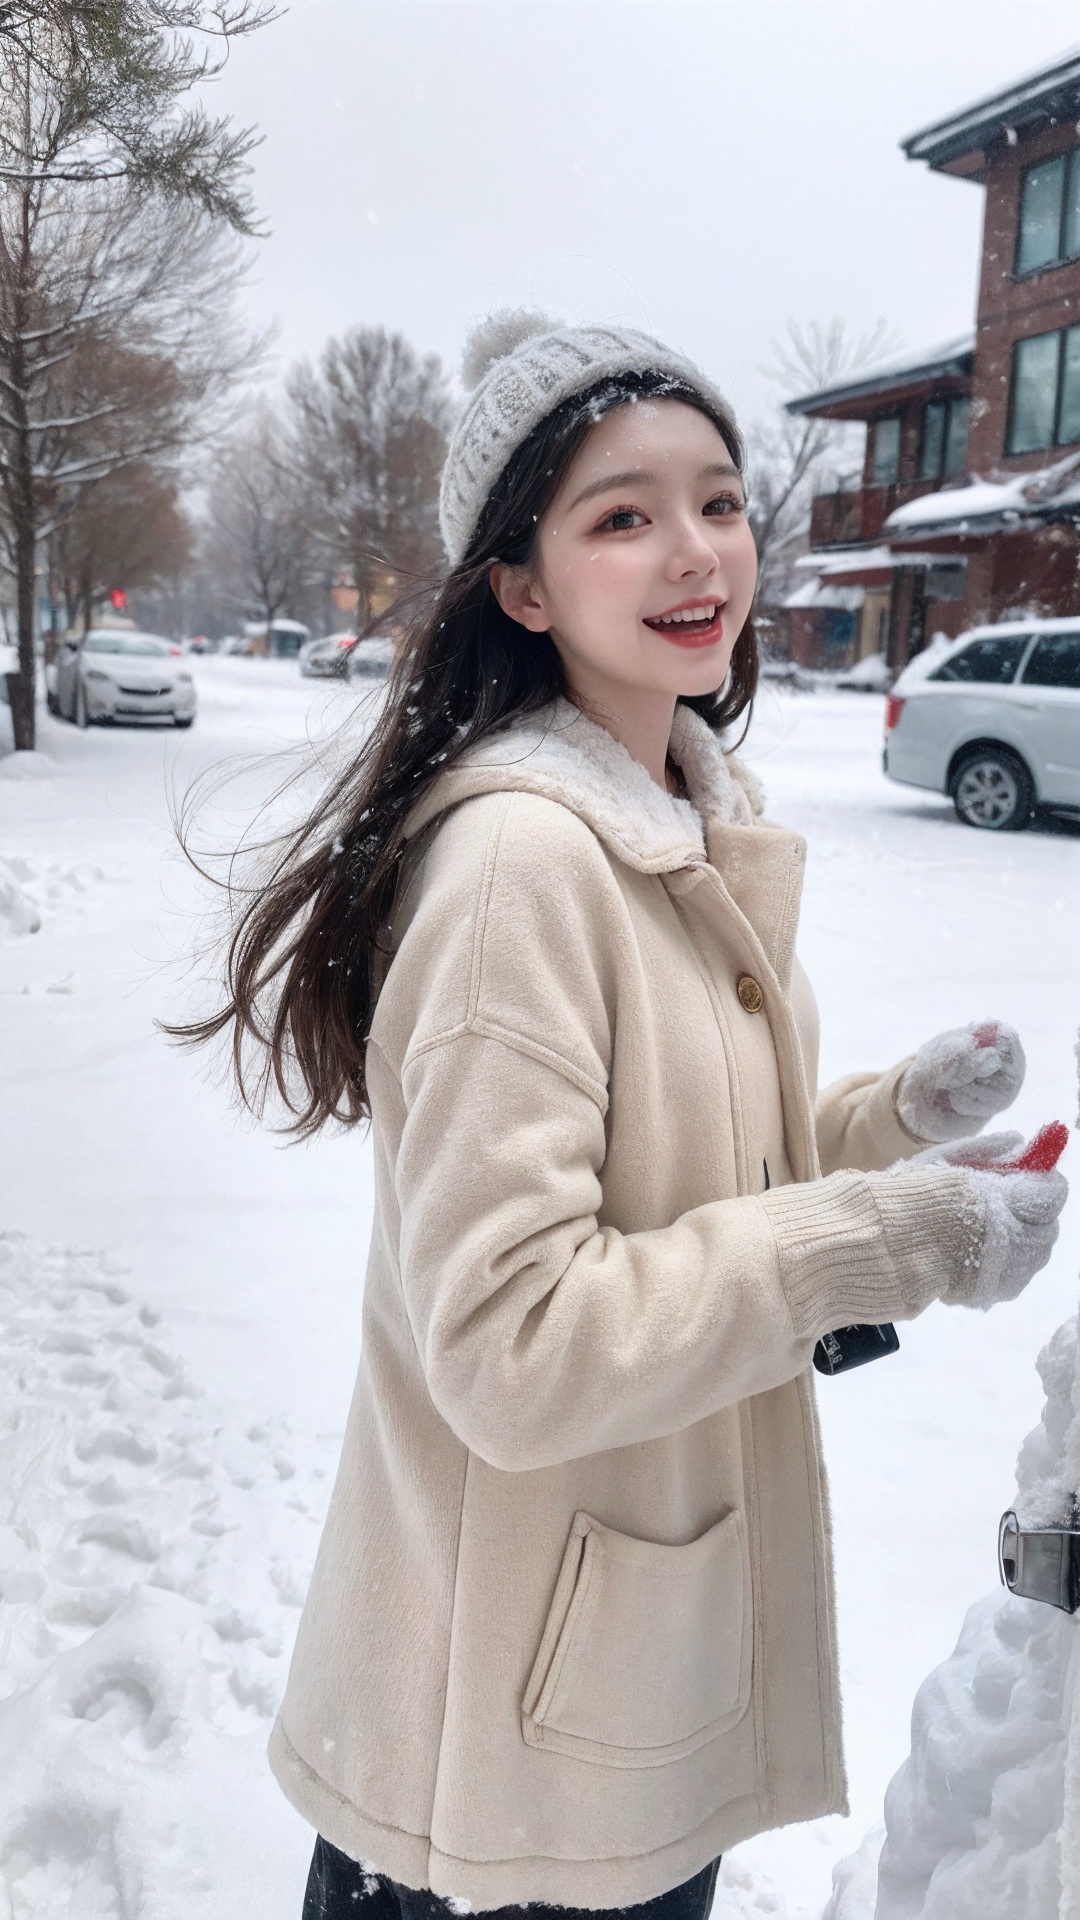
[(858, 1124), (545, 1336)]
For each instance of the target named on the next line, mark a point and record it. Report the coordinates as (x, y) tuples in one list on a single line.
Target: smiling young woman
[(643, 570), (570, 1632)]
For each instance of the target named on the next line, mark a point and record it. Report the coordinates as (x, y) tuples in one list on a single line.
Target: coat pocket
[(647, 1650)]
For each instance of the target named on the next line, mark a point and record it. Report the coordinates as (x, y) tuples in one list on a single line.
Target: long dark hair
[(306, 944)]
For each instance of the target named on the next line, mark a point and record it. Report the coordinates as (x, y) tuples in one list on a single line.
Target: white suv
[(993, 720)]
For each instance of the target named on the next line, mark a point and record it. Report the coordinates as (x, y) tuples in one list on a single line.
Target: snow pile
[(151, 1569), (869, 675), (973, 1816), (27, 764), (18, 913), (743, 1893), (29, 889)]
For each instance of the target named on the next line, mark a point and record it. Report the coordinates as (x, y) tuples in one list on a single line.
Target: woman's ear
[(515, 590)]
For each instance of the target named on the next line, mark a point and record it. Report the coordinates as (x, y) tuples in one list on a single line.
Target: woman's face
[(646, 566)]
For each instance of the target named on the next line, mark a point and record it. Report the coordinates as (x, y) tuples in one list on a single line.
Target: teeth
[(699, 616)]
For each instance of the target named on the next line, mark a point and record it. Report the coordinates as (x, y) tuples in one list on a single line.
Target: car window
[(986, 663), (1055, 661), (137, 643)]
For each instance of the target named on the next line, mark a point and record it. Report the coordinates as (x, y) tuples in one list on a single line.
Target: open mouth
[(698, 625)]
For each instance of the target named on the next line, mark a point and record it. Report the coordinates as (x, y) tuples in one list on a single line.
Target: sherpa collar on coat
[(563, 756)]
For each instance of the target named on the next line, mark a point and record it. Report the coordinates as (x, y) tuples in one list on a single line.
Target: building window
[(943, 454), (1044, 402), (885, 451), (945, 580), (1068, 422), (1049, 213)]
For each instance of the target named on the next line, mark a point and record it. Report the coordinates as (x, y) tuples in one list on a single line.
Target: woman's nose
[(692, 552)]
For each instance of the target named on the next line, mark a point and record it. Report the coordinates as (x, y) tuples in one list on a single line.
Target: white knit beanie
[(520, 367)]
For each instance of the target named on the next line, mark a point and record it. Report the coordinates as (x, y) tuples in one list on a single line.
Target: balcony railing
[(851, 517)]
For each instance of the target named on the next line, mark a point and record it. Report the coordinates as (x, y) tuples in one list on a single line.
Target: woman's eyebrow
[(637, 477), (634, 478)]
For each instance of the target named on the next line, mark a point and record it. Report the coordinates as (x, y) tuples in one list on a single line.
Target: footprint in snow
[(152, 1562)]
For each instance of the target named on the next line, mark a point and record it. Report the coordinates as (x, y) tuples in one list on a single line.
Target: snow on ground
[(153, 1555), (170, 1400)]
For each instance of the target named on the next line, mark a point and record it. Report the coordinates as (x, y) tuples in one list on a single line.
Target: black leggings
[(338, 1888)]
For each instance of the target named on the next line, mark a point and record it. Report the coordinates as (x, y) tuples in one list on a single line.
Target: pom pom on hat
[(497, 336)]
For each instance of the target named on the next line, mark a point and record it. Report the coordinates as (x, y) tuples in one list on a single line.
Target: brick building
[(969, 504)]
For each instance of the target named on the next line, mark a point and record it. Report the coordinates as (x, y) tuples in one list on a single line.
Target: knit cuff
[(868, 1248)]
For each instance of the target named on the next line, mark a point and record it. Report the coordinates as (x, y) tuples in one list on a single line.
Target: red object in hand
[(1041, 1154)]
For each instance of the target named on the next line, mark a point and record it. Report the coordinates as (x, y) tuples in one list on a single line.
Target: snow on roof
[(897, 371), (958, 505), (837, 562), (813, 593), (1020, 497), (1022, 99), (847, 560)]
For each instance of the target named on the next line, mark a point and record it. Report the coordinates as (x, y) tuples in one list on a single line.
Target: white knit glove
[(1015, 1222), (960, 1079)]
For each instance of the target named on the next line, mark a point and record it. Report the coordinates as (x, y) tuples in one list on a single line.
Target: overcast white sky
[(703, 168)]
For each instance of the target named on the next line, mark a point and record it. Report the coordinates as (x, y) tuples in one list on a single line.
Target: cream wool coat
[(570, 1633)]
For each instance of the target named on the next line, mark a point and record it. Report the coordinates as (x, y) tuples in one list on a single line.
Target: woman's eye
[(621, 520), (725, 503)]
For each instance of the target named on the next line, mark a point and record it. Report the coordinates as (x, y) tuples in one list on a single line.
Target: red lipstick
[(694, 632)]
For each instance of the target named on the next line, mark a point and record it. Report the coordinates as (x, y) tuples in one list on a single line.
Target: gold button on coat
[(750, 993)]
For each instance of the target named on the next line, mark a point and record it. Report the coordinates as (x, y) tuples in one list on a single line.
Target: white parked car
[(122, 675), (993, 720)]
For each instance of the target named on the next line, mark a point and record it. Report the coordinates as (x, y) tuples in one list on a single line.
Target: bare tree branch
[(792, 457), (257, 540), (368, 432)]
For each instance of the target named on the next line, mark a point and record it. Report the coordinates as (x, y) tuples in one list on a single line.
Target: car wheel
[(82, 718), (182, 720), (53, 704), (993, 789)]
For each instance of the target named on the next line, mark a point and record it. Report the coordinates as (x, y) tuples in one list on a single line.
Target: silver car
[(371, 659), (326, 659), (122, 675), (993, 720)]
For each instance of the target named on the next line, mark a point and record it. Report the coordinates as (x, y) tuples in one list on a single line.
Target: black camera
[(854, 1346)]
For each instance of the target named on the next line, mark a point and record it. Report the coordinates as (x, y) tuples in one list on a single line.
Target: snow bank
[(745, 1893), (18, 913), (27, 764), (31, 890), (972, 1819), (869, 675), (144, 1620)]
